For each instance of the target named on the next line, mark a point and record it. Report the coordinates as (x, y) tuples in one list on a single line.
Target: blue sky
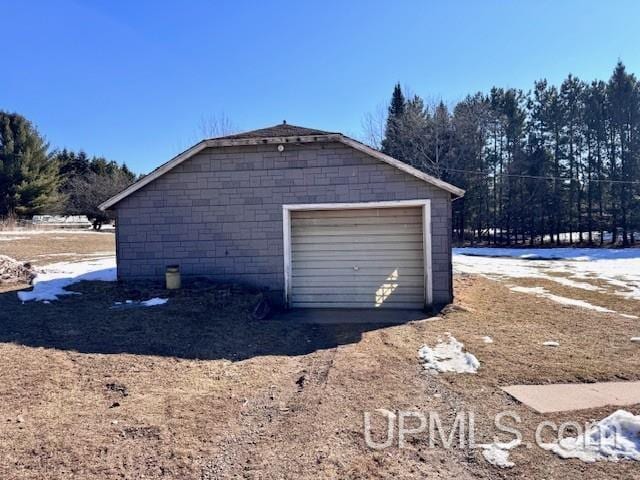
[(132, 80)]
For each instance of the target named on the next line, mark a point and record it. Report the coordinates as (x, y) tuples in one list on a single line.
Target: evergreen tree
[(559, 164), (87, 182), (393, 138), (28, 176)]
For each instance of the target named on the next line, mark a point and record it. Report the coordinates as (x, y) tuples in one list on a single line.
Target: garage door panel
[(367, 281), (415, 290), (368, 246), (395, 220), (357, 298), (358, 255), (386, 305), (389, 265), (349, 231), (348, 271), (392, 239), (385, 246), (357, 213)]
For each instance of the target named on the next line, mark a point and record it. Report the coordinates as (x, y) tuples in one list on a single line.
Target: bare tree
[(209, 126), (373, 126), (217, 125), (88, 191)]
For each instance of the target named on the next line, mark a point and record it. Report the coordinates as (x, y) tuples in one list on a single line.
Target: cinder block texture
[(219, 213)]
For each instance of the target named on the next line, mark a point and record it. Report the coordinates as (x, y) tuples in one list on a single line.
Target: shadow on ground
[(206, 321)]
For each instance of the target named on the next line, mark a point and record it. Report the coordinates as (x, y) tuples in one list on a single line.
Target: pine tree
[(556, 160), (28, 175), (393, 137)]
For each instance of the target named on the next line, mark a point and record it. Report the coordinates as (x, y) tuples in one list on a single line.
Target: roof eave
[(222, 142)]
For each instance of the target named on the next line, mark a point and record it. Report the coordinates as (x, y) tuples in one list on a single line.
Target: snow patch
[(544, 293), (448, 356), (616, 437), (56, 231), (498, 453), (52, 280), (619, 268), (11, 239), (152, 302)]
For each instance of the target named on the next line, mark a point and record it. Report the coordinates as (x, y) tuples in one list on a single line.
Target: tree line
[(551, 165), (37, 180)]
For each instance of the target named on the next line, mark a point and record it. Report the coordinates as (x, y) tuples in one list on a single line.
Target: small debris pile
[(12, 271)]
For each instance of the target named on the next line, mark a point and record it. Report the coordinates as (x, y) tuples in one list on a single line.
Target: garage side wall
[(219, 214)]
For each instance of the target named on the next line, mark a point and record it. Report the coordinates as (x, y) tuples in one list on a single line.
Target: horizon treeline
[(35, 180), (552, 165)]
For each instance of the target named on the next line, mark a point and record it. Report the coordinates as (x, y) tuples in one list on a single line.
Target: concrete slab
[(328, 316), (562, 397)]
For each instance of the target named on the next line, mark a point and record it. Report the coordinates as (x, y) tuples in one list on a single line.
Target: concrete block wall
[(219, 213)]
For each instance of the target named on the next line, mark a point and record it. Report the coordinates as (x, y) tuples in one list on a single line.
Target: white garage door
[(357, 258)]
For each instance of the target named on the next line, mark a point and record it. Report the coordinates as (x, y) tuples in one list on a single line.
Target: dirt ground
[(195, 389), (44, 247)]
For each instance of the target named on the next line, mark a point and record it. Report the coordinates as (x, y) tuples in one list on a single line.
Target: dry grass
[(194, 389), (42, 248)]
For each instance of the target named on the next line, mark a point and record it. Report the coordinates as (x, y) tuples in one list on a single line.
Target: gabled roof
[(282, 130), (278, 134)]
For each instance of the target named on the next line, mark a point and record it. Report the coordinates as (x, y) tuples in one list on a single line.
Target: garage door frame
[(425, 204)]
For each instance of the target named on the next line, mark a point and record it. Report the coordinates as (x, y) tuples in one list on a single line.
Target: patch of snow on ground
[(620, 268), (567, 282), (544, 293), (616, 437), (152, 302), (73, 254), (448, 356), (52, 280), (33, 231), (11, 239), (498, 453)]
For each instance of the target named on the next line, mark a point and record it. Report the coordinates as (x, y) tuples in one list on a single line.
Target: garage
[(311, 218), (358, 257)]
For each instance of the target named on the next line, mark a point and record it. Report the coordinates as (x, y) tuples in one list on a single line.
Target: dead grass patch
[(195, 389), (57, 246)]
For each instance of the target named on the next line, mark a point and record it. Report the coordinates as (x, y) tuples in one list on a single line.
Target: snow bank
[(613, 438), (448, 356), (544, 293), (52, 280)]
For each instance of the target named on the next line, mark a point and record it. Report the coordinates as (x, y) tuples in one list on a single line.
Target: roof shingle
[(281, 130)]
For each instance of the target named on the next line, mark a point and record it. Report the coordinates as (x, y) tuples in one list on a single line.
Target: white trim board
[(426, 229), (222, 142)]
